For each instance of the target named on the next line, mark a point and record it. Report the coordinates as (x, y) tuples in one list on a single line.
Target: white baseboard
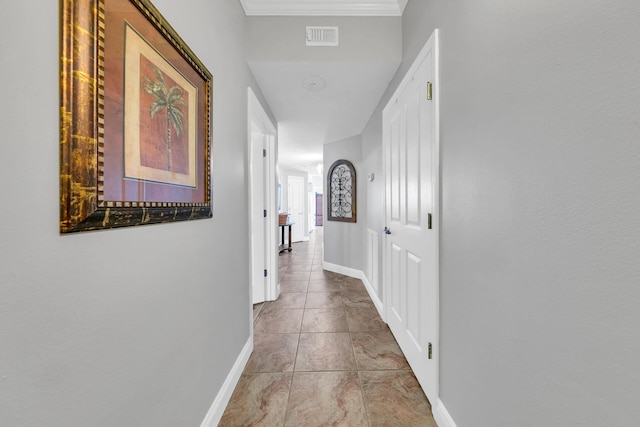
[(278, 290), (216, 411), (357, 274), (340, 269), (441, 415), (374, 297)]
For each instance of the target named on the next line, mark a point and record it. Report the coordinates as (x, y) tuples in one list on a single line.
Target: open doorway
[(296, 205), (262, 203)]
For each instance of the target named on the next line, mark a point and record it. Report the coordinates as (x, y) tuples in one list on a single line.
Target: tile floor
[(323, 357)]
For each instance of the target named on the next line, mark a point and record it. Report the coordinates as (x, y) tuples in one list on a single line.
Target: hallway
[(323, 356)]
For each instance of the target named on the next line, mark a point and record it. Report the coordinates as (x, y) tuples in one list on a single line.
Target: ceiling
[(318, 101)]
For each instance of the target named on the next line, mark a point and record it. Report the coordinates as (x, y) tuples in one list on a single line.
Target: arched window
[(341, 184)]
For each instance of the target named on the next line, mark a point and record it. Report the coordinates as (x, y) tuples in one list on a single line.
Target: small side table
[(285, 247)]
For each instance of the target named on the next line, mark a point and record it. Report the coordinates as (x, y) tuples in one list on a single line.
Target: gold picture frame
[(135, 119)]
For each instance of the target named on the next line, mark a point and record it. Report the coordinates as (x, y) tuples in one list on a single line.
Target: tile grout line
[(353, 349), (295, 359)]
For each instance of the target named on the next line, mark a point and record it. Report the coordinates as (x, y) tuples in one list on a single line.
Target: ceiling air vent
[(322, 36)]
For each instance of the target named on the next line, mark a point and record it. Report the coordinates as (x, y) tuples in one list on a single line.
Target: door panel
[(395, 272), (412, 155), (413, 310), (394, 165), (411, 288)]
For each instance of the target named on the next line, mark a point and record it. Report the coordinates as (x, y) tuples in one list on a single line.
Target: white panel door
[(258, 220), (296, 207), (411, 238)]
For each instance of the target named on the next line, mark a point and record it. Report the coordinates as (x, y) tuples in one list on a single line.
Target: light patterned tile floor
[(323, 356)]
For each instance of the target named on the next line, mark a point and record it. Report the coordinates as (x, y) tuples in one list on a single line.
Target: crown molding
[(324, 8)]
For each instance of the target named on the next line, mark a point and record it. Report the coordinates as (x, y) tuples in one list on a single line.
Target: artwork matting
[(135, 145)]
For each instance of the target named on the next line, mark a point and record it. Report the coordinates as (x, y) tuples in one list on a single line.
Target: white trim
[(357, 274), (340, 269), (273, 289), (324, 8), (437, 186), (374, 297), (260, 116), (441, 415), (214, 415)]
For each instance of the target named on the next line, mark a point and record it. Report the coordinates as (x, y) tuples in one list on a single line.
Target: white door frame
[(259, 122), (431, 45), (258, 172)]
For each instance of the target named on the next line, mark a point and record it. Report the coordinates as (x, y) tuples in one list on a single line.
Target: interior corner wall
[(344, 241), (137, 326), (540, 234)]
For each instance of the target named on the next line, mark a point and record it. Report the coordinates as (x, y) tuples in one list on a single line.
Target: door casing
[(261, 127)]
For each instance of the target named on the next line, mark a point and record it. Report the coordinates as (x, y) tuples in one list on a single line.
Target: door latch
[(386, 230)]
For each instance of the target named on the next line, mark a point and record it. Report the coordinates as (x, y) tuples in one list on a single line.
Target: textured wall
[(540, 230), (130, 327)]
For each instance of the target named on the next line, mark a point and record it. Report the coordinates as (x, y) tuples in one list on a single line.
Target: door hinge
[(265, 213), (264, 152), (430, 221), (265, 273), (429, 91), (430, 351)]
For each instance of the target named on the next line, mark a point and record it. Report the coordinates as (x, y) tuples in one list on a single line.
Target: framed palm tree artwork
[(135, 140)]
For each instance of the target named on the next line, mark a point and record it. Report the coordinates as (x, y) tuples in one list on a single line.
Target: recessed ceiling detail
[(324, 7)]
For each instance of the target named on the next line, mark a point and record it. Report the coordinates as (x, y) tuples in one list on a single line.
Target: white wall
[(540, 200), (344, 241), (130, 327)]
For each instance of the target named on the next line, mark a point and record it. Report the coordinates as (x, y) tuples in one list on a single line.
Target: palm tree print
[(166, 99)]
